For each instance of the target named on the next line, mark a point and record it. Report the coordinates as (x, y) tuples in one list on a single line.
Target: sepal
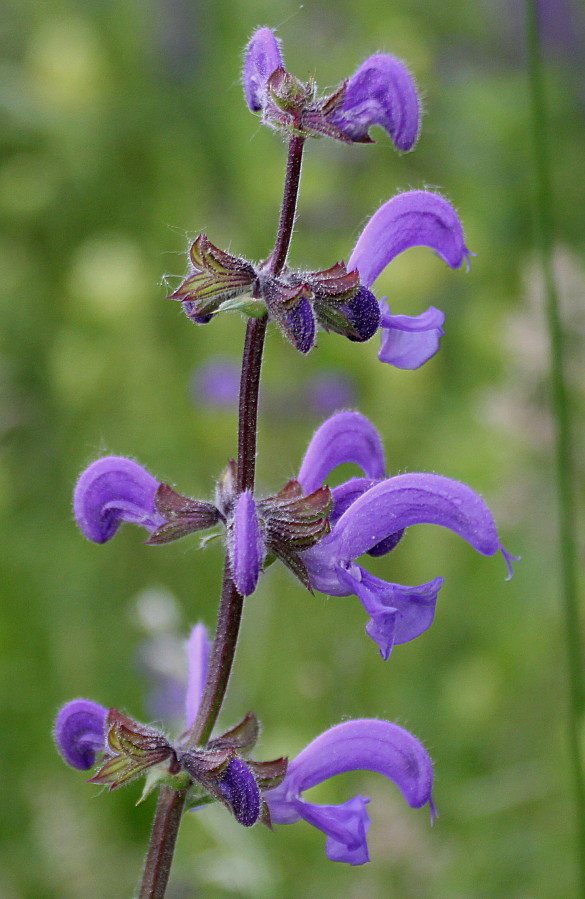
[(216, 277), (242, 737), (131, 749), (184, 515)]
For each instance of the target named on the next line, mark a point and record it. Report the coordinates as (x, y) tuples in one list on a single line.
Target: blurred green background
[(124, 133)]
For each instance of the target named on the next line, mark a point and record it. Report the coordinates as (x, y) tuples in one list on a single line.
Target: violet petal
[(411, 219), (241, 792), (390, 506), (246, 545), (409, 499), (79, 732), (261, 58), (343, 437), (380, 92), (397, 613), (345, 494), (111, 490), (408, 341), (362, 744), (197, 660), (345, 825)]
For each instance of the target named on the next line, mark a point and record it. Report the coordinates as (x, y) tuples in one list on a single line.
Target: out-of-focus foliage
[(124, 133)]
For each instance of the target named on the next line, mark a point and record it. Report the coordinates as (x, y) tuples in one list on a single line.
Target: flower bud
[(262, 57)]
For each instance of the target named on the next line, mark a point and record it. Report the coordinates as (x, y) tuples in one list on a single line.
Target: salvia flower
[(410, 219), (380, 92), (370, 515), (363, 744), (220, 770)]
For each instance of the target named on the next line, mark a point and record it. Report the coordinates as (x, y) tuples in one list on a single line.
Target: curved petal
[(411, 219), (344, 437), (408, 341), (397, 613), (111, 490), (380, 92), (261, 58), (197, 660), (409, 499), (246, 545), (363, 744), (79, 732), (345, 825)]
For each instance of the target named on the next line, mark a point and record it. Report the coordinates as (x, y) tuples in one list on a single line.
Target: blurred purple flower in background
[(216, 382)]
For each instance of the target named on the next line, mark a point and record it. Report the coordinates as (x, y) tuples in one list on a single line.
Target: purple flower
[(246, 545), (370, 514), (414, 218), (79, 732), (261, 58), (363, 744), (111, 490), (380, 92)]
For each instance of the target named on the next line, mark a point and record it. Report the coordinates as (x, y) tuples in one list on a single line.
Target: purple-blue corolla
[(369, 516), (410, 219), (380, 92), (364, 744)]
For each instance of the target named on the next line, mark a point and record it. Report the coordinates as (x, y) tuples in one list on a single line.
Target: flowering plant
[(318, 532)]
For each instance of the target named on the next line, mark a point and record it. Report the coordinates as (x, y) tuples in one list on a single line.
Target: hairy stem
[(564, 453), (171, 802)]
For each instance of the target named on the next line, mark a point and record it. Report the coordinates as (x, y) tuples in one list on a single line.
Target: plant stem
[(171, 802), (563, 452)]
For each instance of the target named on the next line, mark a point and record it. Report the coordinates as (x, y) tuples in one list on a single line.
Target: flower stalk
[(171, 802)]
